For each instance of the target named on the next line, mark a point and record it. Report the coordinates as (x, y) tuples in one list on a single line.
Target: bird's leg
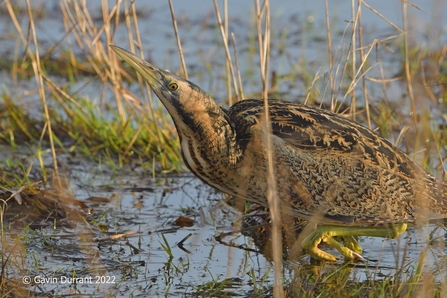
[(325, 233)]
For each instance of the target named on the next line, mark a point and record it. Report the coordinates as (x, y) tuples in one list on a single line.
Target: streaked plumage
[(347, 172), (329, 169)]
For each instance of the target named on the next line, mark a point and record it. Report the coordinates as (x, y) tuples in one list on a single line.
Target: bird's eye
[(173, 86)]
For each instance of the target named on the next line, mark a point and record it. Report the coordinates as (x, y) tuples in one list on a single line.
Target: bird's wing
[(317, 133), (310, 128)]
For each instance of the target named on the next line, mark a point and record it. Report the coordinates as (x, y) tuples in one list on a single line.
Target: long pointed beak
[(150, 73)]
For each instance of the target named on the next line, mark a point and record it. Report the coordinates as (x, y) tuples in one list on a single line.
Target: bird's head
[(185, 101)]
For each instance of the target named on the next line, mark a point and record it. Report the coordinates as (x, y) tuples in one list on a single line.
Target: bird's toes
[(357, 257)]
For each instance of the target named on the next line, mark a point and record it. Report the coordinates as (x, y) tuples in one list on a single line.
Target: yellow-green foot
[(351, 250), (351, 243)]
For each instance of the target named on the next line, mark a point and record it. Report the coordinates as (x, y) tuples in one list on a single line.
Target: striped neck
[(208, 143)]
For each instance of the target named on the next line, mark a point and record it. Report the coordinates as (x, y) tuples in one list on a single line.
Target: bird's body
[(326, 166)]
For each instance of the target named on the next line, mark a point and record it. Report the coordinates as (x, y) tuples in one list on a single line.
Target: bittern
[(330, 170)]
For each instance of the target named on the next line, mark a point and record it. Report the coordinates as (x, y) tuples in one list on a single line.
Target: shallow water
[(145, 209), (137, 264), (298, 36)]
